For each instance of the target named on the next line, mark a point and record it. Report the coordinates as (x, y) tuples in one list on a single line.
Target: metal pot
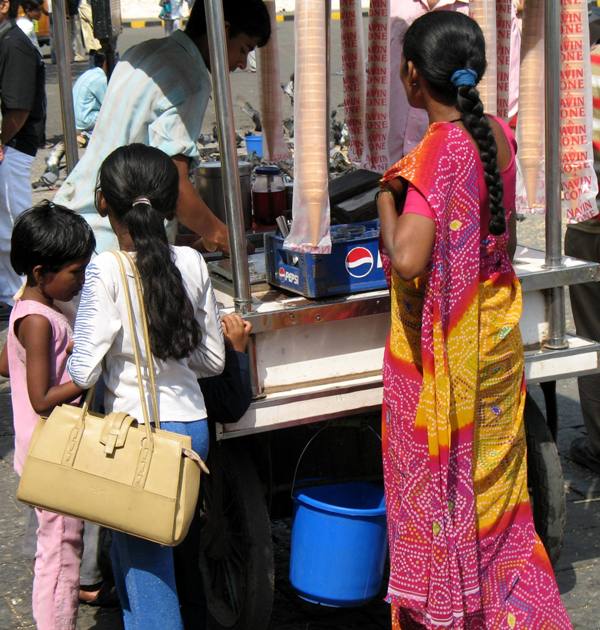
[(210, 187)]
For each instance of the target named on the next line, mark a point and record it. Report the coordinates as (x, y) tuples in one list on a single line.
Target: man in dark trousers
[(23, 106), (582, 240)]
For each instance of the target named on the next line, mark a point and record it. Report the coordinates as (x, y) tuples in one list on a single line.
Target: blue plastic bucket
[(339, 543), (254, 144)]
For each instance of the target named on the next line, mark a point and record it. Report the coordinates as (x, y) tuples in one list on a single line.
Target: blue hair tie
[(466, 76)]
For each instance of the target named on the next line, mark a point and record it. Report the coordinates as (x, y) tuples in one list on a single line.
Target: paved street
[(578, 570)]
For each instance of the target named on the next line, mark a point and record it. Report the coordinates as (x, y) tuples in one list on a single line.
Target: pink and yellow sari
[(463, 549)]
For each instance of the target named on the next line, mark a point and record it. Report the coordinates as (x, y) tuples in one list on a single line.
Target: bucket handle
[(314, 437)]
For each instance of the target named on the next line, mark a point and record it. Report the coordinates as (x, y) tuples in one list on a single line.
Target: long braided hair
[(439, 44), (141, 185)]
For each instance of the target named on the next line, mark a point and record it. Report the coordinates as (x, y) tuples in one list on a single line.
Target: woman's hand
[(407, 238)]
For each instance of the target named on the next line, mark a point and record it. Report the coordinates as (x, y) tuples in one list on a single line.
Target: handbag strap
[(151, 372), (136, 349)]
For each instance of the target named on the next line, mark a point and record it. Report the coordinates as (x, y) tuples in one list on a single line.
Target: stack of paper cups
[(531, 104), (484, 12), (310, 226)]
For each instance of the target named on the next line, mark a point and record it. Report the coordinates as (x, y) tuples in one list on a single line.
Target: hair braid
[(472, 114), (126, 175), (439, 44)]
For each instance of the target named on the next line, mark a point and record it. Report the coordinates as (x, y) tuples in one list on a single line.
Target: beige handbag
[(111, 470)]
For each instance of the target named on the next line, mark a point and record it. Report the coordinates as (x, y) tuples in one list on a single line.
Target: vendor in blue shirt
[(88, 93), (157, 95)]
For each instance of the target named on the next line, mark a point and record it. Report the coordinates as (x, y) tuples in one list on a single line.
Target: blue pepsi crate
[(354, 264)]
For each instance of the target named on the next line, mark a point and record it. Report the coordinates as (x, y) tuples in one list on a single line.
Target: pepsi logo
[(359, 262), (286, 275)]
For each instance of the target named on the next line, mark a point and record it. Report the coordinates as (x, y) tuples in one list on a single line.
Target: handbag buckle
[(114, 432)]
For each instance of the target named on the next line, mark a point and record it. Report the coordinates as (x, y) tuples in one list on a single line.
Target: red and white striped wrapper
[(271, 108), (355, 79), (504, 13), (377, 98), (579, 184)]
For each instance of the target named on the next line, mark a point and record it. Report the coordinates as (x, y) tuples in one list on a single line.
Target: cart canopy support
[(554, 260), (62, 43)]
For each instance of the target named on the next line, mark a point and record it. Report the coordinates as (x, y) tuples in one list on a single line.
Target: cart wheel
[(236, 555), (545, 481)]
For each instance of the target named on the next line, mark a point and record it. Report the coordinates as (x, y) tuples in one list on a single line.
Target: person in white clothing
[(138, 187), (32, 12)]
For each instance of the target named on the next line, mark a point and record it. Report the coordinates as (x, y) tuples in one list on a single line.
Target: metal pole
[(219, 70), (556, 296), (62, 47)]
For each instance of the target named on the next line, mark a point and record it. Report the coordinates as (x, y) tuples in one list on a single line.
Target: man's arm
[(195, 214), (12, 122)]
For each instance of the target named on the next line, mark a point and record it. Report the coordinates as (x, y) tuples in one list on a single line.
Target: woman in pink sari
[(463, 549)]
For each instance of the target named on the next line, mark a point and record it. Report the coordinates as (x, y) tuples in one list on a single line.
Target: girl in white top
[(138, 188)]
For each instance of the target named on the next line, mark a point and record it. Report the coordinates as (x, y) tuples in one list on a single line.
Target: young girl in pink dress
[(51, 246)]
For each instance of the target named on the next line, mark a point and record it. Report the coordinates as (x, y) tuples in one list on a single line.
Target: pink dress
[(24, 417), (55, 597)]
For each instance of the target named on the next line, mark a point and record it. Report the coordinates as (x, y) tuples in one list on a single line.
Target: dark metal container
[(210, 187)]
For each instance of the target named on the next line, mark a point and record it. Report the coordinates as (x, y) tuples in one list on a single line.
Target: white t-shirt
[(28, 27), (103, 342)]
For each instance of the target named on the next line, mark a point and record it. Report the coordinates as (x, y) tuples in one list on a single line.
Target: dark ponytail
[(140, 185), (439, 43)]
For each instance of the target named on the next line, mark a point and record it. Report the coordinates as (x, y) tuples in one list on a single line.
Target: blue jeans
[(143, 570)]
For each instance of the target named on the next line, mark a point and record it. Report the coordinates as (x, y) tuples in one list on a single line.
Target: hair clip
[(465, 76), (138, 201)]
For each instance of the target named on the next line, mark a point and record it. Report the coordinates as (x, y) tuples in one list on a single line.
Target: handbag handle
[(148, 347), (136, 350)]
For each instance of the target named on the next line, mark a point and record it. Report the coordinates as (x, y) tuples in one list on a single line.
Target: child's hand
[(236, 331)]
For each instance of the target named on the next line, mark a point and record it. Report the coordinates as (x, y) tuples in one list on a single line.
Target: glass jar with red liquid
[(269, 198)]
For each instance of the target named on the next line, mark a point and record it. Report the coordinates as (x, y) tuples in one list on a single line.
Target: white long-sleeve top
[(103, 341)]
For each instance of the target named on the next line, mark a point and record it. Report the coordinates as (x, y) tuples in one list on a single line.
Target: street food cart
[(318, 360)]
